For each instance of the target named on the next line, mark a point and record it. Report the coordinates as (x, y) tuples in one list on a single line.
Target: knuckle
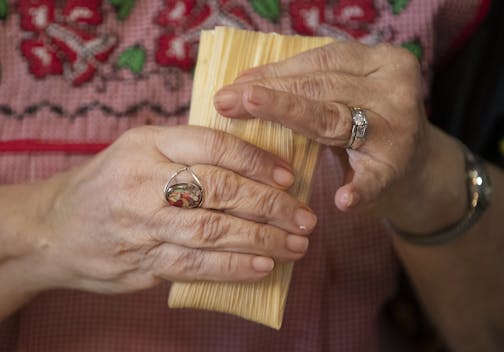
[(230, 264), (209, 230), (321, 57), (136, 134), (253, 162), (268, 202), (262, 238), (400, 58), (217, 144), (225, 186), (405, 59), (307, 86), (189, 262), (246, 158), (295, 107), (334, 125)]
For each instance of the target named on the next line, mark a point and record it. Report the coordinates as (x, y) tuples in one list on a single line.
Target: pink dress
[(76, 74)]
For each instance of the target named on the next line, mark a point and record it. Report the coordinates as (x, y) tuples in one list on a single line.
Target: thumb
[(364, 184)]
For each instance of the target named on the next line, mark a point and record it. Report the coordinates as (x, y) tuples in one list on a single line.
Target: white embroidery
[(40, 16), (351, 11), (43, 55), (80, 13), (312, 17), (178, 12), (177, 48)]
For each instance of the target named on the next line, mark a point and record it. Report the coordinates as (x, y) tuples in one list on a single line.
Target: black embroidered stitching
[(83, 110)]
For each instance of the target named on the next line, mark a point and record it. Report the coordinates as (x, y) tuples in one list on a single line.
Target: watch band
[(479, 193)]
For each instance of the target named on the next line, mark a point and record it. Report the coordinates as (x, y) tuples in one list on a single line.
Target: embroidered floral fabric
[(88, 70), (75, 74)]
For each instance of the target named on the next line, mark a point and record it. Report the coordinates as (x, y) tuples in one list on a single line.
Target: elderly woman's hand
[(313, 92), (108, 227)]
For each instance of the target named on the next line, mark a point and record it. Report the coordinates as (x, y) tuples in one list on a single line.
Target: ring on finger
[(184, 194), (359, 128)]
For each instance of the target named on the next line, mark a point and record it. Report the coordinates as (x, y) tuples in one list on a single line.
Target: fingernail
[(305, 219), (298, 244), (257, 95), (350, 199), (225, 99), (347, 199), (283, 176), (263, 264)]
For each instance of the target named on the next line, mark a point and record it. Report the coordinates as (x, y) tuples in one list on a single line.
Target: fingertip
[(283, 177), (226, 99), (346, 199), (297, 244), (263, 264), (229, 103), (305, 220)]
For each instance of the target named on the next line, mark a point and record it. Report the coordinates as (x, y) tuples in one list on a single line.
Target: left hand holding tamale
[(366, 102)]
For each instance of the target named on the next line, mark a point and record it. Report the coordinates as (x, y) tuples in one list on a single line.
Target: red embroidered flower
[(318, 18), (179, 17), (62, 41), (183, 14), (42, 59), (307, 16), (184, 19), (175, 51), (36, 15), (355, 10), (354, 16)]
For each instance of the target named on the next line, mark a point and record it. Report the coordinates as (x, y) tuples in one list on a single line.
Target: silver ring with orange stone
[(184, 194)]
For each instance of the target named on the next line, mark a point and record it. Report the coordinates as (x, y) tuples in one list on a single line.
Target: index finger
[(190, 145), (349, 57)]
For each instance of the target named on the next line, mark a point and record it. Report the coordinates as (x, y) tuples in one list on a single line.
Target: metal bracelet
[(479, 193)]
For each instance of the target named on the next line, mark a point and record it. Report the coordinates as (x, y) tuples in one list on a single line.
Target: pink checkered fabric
[(61, 100)]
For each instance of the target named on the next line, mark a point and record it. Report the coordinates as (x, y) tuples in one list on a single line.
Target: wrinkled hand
[(312, 92), (109, 228)]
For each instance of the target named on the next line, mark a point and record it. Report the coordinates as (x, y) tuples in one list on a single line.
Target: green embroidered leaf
[(398, 6), (132, 58), (123, 8), (415, 47), (4, 9), (269, 9)]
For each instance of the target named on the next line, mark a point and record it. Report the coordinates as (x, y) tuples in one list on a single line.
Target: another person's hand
[(312, 93), (106, 227)]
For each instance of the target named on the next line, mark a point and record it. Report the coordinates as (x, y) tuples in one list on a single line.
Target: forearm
[(461, 283), (16, 289), (21, 275)]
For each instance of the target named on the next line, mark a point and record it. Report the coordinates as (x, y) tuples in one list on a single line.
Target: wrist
[(434, 195), (25, 235)]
